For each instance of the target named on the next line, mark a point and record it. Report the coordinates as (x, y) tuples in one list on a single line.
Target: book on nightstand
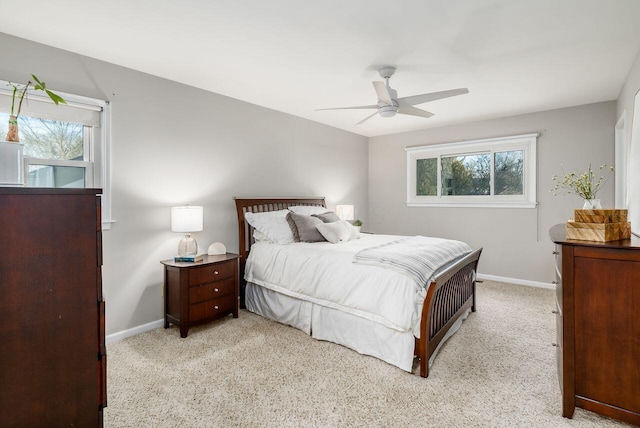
[(189, 259)]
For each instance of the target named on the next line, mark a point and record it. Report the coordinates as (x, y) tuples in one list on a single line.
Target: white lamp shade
[(186, 219), (345, 212)]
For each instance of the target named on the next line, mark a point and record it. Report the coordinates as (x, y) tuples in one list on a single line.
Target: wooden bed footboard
[(449, 296)]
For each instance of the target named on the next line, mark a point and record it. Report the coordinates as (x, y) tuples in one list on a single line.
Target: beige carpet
[(497, 371)]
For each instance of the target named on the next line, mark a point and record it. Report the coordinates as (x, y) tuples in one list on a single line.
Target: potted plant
[(20, 92), (11, 150), (584, 184), (357, 224)]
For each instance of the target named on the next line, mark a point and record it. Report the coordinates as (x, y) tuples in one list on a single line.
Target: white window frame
[(86, 165), (98, 151), (526, 143)]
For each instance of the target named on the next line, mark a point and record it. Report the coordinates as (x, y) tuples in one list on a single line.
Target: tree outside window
[(427, 177), (466, 175), (508, 170), (495, 172), (49, 139)]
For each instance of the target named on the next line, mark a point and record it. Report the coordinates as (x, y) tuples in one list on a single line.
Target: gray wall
[(515, 241), (173, 144)]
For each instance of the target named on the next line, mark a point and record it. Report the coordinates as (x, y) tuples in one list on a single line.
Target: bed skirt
[(363, 336)]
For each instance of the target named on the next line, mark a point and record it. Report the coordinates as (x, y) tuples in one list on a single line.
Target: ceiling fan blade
[(347, 108), (383, 93), (425, 98), (414, 111), (366, 118)]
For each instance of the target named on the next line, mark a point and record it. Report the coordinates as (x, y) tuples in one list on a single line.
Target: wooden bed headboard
[(259, 205)]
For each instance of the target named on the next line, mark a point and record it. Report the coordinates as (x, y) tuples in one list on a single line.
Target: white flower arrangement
[(584, 184)]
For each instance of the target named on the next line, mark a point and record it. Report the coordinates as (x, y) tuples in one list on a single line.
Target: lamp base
[(187, 246)]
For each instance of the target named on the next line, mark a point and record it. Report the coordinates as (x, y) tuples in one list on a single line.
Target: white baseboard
[(121, 335), (517, 281)]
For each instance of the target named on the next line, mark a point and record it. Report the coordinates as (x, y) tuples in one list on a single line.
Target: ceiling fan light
[(388, 111)]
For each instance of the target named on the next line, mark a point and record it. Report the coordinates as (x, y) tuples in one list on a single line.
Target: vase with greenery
[(19, 93), (583, 184)]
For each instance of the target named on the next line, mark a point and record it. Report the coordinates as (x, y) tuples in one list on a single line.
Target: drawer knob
[(216, 290), (554, 312), (215, 272), (554, 344), (216, 307)]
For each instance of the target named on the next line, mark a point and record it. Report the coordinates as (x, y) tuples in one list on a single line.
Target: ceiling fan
[(389, 104)]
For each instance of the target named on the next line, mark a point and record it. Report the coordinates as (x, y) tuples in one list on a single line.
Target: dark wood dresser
[(598, 325), (52, 340), (196, 293)]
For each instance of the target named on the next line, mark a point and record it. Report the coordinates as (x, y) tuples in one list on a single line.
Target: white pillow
[(338, 231), (260, 237), (272, 224), (308, 209)]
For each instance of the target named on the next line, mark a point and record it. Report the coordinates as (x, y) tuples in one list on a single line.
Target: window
[(63, 145), (498, 172)]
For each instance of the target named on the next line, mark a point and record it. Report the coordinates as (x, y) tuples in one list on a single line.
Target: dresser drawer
[(558, 273), (557, 252), (558, 284), (207, 274), (558, 313), (212, 308), (558, 257), (214, 290), (558, 344)]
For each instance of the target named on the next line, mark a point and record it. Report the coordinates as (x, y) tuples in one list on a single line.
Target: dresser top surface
[(48, 191)]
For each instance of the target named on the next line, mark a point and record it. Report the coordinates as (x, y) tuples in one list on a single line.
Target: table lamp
[(186, 219), (345, 212)]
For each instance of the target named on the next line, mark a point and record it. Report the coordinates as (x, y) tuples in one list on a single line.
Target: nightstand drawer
[(212, 308), (207, 274), (210, 291)]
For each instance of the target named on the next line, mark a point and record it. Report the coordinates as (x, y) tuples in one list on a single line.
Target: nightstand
[(200, 292)]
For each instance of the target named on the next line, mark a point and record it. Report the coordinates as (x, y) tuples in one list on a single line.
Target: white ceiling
[(295, 56)]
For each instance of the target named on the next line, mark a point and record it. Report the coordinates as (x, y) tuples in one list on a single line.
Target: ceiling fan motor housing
[(388, 111)]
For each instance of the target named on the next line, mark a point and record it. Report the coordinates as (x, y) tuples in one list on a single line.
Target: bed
[(443, 303)]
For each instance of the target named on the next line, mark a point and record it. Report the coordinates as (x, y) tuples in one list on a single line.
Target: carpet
[(498, 370)]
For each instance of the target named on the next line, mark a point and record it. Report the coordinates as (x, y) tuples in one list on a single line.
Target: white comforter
[(323, 273)]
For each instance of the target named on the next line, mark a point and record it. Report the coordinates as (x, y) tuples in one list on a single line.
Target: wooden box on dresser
[(52, 343), (598, 319), (200, 292)]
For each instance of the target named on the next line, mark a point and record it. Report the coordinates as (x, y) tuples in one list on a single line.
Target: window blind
[(80, 110)]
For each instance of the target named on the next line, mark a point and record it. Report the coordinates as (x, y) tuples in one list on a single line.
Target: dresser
[(598, 325), (200, 292), (52, 341)]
